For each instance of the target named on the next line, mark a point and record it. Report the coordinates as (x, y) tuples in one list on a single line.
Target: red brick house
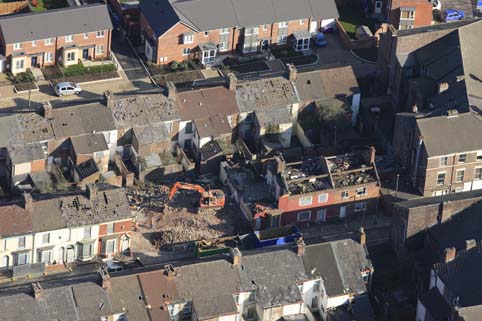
[(64, 36), (178, 30), (404, 14), (322, 189)]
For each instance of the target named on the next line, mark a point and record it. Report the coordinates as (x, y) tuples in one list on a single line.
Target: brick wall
[(423, 12)]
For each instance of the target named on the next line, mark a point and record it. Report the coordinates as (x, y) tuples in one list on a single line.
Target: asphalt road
[(127, 57)]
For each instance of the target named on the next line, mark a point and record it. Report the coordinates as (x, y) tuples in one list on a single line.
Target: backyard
[(353, 16), (42, 5)]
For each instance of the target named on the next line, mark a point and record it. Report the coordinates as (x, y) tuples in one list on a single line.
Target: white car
[(437, 5), (67, 88)]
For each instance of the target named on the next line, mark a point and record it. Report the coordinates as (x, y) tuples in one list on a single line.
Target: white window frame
[(360, 206), (107, 246), (253, 31), (87, 232), (457, 175), (26, 256), (323, 198), (302, 22), (283, 24), (19, 63), (224, 31), (186, 51), (99, 49), (437, 178), (186, 39), (71, 56), (479, 156), (110, 228), (305, 200), (443, 161), (17, 46), (345, 194), (19, 243), (100, 34), (265, 27), (69, 38), (48, 57), (465, 158), (299, 214), (46, 238), (362, 191), (34, 43), (321, 212), (475, 174), (86, 35), (49, 41), (283, 39)]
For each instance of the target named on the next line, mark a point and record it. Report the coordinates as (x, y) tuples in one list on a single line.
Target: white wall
[(19, 169), (182, 134), (355, 108), (291, 309), (337, 301), (230, 317), (111, 139), (10, 244), (420, 311)]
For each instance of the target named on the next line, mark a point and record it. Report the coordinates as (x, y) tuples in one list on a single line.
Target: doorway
[(33, 61), (85, 54), (342, 211), (60, 256)]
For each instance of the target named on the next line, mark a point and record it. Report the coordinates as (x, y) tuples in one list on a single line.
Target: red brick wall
[(423, 12), (37, 165)]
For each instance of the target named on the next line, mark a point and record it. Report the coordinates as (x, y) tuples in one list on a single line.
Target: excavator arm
[(181, 185)]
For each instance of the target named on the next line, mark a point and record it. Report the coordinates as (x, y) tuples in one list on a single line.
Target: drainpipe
[(417, 159)]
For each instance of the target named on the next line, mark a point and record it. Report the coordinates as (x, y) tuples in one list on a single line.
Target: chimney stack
[(108, 98), (415, 108), (37, 290), (91, 191), (169, 271), (236, 255), (363, 236), (232, 81), (300, 246), (450, 254), (47, 110), (470, 244), (292, 72), (443, 86), (27, 202), (171, 90)]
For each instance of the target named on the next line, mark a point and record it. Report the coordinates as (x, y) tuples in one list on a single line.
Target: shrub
[(182, 66), (173, 66)]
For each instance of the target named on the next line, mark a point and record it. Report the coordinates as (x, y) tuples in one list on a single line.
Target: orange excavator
[(213, 198)]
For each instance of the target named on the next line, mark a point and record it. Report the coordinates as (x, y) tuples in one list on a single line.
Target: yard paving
[(127, 58)]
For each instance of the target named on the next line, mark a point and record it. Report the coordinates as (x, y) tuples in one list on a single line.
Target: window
[(45, 256), (69, 38), (250, 31), (188, 38), (22, 258), (17, 46), (316, 286), (188, 128), (265, 27), (282, 39), (21, 242), (407, 18), (460, 175), (34, 43), (441, 178), (99, 49), (48, 57), (345, 195), (46, 238), (19, 64), (302, 21), (186, 51), (100, 34), (86, 35), (362, 191), (407, 14), (478, 173), (71, 56), (110, 247), (283, 24), (251, 313), (252, 297), (206, 33), (224, 31), (479, 156), (323, 198), (306, 200), (462, 158), (361, 206), (223, 46), (186, 310), (110, 228), (49, 41), (444, 161), (304, 216), (85, 250), (87, 232), (321, 215)]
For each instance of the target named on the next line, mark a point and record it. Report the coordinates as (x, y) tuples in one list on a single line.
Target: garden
[(352, 16), (42, 5), (79, 73), (182, 72), (23, 81), (239, 67)]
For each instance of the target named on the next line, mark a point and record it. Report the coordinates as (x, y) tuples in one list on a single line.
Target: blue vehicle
[(320, 40), (453, 15)]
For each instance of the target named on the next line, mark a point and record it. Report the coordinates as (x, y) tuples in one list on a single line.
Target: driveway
[(127, 57)]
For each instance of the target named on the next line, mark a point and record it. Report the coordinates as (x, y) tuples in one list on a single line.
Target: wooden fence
[(13, 7)]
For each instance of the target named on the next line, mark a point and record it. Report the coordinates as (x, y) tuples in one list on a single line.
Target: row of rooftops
[(38, 213), (211, 286)]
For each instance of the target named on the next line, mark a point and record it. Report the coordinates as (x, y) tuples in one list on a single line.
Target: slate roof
[(55, 23), (82, 119), (125, 294), (197, 14), (443, 135), (15, 220), (26, 153), (109, 204), (153, 133), (339, 264), (274, 275), (213, 126), (92, 301), (24, 128), (204, 102), (463, 276), (338, 83), (88, 144), (265, 93), (143, 110), (210, 286)]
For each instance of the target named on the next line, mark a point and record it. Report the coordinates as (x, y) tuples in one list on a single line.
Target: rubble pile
[(353, 179)]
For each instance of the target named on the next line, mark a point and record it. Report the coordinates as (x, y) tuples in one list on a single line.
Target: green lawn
[(43, 5), (352, 17)]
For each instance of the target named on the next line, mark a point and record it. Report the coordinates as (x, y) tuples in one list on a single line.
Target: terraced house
[(175, 30), (64, 36)]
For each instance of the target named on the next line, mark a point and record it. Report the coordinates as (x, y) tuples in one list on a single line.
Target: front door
[(85, 54), (33, 62), (342, 211), (60, 256), (313, 26)]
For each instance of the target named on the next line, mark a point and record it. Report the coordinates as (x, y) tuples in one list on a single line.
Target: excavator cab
[(209, 199)]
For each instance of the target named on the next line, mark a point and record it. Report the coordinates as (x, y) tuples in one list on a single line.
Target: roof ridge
[(29, 14)]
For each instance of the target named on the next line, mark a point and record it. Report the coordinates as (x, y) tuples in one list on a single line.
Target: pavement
[(127, 57)]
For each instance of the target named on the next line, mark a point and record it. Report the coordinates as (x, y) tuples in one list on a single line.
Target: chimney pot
[(108, 98), (300, 246), (169, 271), (105, 277), (236, 256), (363, 236), (470, 244), (373, 153), (232, 81), (27, 202), (450, 254), (37, 290), (47, 110), (443, 86), (292, 72), (415, 108)]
